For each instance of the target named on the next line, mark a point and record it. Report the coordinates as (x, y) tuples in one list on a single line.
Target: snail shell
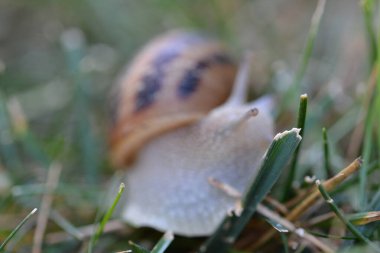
[(193, 126), (175, 80)]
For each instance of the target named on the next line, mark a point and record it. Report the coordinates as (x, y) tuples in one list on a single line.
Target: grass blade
[(368, 10), (160, 247), (326, 154), (364, 218), (282, 230), (369, 141), (137, 248), (278, 154), (106, 217), (314, 27), (163, 243), (293, 167), (278, 226), (284, 241), (306, 55), (2, 246)]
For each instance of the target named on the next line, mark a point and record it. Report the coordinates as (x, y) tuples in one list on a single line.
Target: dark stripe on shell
[(153, 81), (191, 79), (151, 84)]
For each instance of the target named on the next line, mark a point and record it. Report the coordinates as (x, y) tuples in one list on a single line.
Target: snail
[(180, 119)]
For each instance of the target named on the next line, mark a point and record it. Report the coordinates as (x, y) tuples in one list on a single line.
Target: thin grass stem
[(368, 142), (284, 241), (367, 7), (163, 243), (105, 219), (326, 153), (342, 217), (307, 52), (293, 166), (314, 27), (12, 234), (137, 248)]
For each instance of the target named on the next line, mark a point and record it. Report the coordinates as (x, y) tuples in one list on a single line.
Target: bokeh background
[(59, 59)]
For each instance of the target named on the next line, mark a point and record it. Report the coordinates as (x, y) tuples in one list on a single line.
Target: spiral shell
[(174, 81)]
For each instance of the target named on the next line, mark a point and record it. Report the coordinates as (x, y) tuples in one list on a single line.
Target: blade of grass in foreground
[(2, 246), (275, 159), (160, 247), (137, 248), (106, 217), (369, 142), (293, 165), (282, 230), (163, 243)]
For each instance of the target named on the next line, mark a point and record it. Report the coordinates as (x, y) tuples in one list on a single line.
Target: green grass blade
[(368, 143), (314, 27), (284, 241), (293, 165), (326, 154), (275, 159), (364, 217), (4, 244), (368, 9), (137, 248), (279, 227), (282, 230), (105, 219), (163, 243), (306, 55), (160, 247)]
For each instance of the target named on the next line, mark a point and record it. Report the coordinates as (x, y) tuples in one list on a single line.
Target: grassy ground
[(59, 59)]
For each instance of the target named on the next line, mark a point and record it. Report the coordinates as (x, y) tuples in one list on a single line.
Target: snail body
[(168, 181)]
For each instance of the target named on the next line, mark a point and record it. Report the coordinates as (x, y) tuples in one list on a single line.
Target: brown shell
[(175, 80)]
